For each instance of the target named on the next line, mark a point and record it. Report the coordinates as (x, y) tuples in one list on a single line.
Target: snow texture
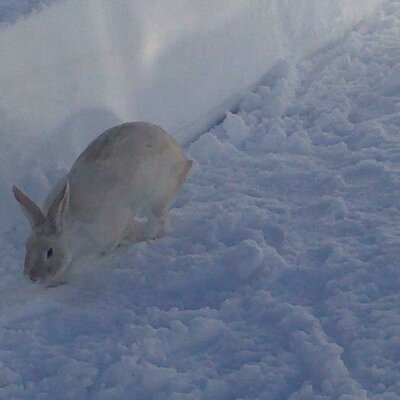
[(279, 277), (83, 64), (12, 10)]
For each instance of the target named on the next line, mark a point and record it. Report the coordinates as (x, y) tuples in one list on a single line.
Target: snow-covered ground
[(279, 278)]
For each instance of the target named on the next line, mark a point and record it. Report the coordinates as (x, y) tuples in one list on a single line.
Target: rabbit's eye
[(49, 252)]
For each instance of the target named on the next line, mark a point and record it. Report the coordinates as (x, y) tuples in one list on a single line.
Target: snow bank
[(177, 63)]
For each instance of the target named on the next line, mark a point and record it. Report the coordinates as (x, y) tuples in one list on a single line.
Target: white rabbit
[(117, 192)]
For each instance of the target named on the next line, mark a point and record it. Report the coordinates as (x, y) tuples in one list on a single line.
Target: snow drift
[(177, 63)]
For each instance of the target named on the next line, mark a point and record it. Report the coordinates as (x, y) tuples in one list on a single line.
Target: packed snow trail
[(280, 276)]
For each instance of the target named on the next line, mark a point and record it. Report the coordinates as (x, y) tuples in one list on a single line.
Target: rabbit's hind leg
[(156, 224), (134, 232)]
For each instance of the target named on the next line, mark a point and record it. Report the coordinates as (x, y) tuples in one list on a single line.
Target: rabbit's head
[(45, 257)]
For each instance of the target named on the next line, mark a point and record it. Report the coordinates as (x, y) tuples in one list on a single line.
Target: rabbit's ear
[(29, 208), (59, 209)]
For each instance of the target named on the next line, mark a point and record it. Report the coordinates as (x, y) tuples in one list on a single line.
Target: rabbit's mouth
[(55, 280), (46, 280), (58, 278)]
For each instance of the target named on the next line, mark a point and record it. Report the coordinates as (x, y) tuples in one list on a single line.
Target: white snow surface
[(279, 277), (87, 64), (12, 10)]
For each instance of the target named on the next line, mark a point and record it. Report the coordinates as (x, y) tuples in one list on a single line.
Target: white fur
[(119, 192)]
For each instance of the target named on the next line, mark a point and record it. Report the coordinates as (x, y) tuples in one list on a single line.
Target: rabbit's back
[(128, 171), (130, 143)]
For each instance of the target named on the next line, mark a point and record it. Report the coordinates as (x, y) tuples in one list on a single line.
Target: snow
[(278, 278), (12, 10), (180, 64)]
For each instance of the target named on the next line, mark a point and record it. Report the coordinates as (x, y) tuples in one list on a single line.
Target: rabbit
[(118, 192)]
